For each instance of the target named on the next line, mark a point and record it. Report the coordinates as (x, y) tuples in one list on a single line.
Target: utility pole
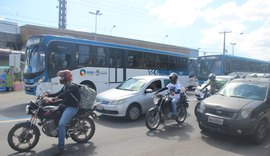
[(96, 13), (62, 21), (224, 39)]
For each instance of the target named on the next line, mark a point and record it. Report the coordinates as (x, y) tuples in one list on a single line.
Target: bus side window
[(100, 59), (149, 60), (84, 57)]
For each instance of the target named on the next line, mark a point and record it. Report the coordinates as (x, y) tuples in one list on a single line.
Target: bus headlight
[(41, 79)]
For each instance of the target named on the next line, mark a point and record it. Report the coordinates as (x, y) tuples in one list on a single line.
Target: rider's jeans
[(68, 113), (174, 102)]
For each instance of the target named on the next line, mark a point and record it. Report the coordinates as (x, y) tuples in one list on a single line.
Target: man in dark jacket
[(69, 103)]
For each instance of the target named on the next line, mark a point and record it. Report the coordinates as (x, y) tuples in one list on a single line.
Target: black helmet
[(212, 76), (173, 77)]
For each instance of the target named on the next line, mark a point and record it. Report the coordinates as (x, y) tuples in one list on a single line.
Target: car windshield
[(245, 90), (221, 82), (132, 84)]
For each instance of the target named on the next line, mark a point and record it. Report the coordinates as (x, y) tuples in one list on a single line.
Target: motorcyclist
[(212, 83), (68, 104), (174, 88)]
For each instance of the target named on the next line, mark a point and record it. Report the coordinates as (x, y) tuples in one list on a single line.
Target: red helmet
[(65, 76)]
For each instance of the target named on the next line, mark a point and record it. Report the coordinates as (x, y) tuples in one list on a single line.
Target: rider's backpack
[(88, 96)]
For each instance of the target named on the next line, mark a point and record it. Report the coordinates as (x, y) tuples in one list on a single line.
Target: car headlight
[(201, 107), (118, 102), (245, 113)]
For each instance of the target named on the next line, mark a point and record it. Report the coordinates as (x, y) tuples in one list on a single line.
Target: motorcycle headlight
[(245, 113), (27, 109), (156, 100), (118, 102)]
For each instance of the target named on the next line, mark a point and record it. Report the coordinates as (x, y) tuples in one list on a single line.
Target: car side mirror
[(148, 90)]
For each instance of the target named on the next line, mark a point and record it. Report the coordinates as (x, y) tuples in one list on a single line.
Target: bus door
[(59, 58), (116, 66)]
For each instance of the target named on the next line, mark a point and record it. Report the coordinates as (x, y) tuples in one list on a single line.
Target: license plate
[(215, 120)]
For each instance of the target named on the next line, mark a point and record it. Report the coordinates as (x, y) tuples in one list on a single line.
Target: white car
[(131, 98), (221, 81)]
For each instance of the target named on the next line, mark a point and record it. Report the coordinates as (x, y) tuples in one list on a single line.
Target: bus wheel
[(90, 85)]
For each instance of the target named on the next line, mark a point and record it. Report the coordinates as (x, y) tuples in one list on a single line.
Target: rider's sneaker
[(174, 116), (60, 150)]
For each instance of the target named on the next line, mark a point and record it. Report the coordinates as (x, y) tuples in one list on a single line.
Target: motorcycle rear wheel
[(152, 119), (23, 137), (181, 114), (85, 130)]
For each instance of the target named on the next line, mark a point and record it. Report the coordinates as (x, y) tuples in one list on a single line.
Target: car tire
[(133, 112), (196, 107), (259, 135)]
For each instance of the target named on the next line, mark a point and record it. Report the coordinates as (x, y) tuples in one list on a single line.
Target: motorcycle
[(25, 136), (163, 111)]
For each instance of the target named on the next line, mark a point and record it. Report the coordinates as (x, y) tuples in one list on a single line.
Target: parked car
[(221, 80), (241, 107), (131, 98)]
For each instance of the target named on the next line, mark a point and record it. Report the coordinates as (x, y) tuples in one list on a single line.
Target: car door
[(147, 98)]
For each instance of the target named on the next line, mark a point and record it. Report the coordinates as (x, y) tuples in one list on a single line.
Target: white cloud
[(251, 17), (178, 13), (256, 45)]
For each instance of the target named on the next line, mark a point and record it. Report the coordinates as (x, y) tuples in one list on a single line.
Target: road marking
[(14, 120)]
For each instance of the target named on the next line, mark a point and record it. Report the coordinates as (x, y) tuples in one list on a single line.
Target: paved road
[(117, 137)]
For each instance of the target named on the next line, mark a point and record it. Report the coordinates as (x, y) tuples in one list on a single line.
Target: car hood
[(230, 103), (113, 94)]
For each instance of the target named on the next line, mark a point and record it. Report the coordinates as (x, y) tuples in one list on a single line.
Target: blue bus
[(100, 65), (226, 64)]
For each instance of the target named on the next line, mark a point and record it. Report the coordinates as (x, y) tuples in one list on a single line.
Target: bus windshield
[(35, 56), (207, 65)]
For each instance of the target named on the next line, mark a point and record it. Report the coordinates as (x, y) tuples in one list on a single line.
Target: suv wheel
[(260, 133)]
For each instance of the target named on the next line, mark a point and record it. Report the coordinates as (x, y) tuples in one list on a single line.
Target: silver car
[(241, 107), (221, 81), (131, 98)]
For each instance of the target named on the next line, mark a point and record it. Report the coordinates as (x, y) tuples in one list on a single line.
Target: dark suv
[(241, 107)]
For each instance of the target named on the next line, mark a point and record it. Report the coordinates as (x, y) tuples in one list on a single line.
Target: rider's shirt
[(176, 88)]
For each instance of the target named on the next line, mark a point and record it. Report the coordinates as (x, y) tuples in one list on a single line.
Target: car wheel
[(133, 112), (260, 133), (203, 129)]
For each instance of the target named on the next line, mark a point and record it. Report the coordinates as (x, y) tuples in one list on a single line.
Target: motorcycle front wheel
[(23, 137), (84, 130), (152, 119), (181, 114)]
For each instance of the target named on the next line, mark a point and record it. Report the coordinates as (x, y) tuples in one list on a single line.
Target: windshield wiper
[(237, 96), (221, 94), (124, 89)]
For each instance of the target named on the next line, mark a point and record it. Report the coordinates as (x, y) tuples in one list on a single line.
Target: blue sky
[(193, 23)]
